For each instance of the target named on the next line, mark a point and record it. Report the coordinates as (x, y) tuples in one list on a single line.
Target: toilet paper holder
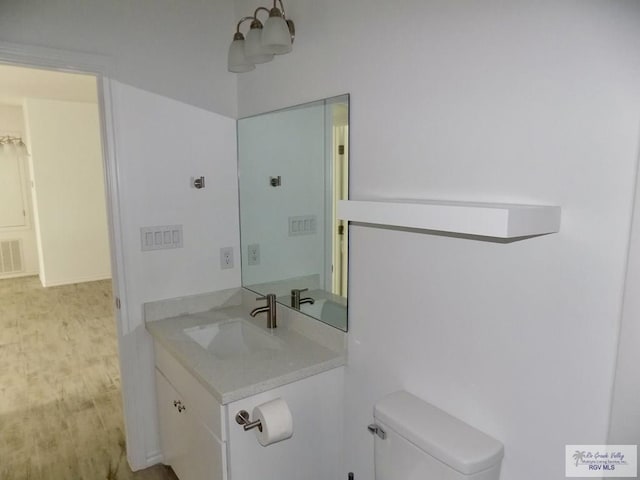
[(242, 418)]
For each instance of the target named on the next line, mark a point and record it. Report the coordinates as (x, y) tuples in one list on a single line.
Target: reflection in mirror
[(293, 167)]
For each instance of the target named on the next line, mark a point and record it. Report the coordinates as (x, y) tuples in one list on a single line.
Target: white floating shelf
[(500, 220)]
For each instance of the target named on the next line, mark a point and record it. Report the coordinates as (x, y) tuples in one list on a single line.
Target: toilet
[(417, 441)]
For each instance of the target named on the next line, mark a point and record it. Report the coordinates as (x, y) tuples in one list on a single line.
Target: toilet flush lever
[(375, 429)]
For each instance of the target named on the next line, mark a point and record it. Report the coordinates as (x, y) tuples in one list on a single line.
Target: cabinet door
[(209, 454), (188, 445), (174, 429)]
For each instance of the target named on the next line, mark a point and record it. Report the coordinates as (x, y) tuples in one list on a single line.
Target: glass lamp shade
[(253, 50), (276, 37), (237, 62), (11, 149), (22, 149)]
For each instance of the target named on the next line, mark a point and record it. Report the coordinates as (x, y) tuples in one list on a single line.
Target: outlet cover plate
[(253, 254), (226, 257)]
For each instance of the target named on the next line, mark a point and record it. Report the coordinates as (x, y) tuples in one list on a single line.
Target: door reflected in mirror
[(293, 168)]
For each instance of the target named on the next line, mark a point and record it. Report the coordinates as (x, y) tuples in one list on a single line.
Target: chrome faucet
[(270, 308), (296, 301)]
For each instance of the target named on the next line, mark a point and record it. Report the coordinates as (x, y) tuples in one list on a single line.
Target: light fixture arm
[(17, 142), (11, 140), (284, 15), (256, 22), (242, 20), (255, 14)]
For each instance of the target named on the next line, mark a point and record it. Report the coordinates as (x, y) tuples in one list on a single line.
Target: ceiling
[(17, 83)]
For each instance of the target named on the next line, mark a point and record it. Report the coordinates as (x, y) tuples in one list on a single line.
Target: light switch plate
[(161, 237), (304, 225)]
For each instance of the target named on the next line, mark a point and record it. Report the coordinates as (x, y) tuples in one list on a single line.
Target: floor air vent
[(10, 257)]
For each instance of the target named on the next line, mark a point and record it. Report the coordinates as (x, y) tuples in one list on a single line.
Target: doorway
[(339, 115), (61, 400)]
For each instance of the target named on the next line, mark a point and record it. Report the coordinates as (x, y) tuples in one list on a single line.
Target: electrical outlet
[(253, 257), (226, 257)]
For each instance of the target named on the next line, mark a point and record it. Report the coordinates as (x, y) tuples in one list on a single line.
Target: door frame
[(624, 405), (103, 69)]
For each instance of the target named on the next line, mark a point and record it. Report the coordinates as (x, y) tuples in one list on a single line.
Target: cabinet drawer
[(196, 398)]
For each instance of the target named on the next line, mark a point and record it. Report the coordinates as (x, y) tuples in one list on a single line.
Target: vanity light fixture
[(254, 51), (11, 143), (275, 37)]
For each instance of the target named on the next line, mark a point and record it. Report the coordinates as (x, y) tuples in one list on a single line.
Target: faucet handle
[(299, 290), (267, 297)]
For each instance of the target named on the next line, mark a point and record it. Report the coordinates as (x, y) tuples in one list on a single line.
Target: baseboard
[(18, 275), (154, 458), (71, 281)]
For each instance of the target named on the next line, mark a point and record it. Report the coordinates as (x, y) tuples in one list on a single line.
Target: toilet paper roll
[(276, 420)]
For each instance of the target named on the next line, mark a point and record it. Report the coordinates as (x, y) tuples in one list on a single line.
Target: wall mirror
[(293, 167)]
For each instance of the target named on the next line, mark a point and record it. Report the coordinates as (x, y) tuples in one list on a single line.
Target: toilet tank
[(422, 442)]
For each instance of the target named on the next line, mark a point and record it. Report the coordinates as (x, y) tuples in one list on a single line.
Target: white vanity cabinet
[(190, 419), (201, 440)]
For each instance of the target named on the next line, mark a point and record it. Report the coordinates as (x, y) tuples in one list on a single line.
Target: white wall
[(68, 192), (528, 102), (162, 143), (176, 49), (289, 144), (12, 121)]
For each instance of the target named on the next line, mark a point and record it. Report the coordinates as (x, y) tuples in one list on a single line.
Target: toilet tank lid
[(444, 437)]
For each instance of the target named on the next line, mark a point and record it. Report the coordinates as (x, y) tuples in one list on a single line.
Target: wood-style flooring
[(60, 399)]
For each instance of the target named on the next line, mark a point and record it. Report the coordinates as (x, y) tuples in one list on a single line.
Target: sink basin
[(233, 338)]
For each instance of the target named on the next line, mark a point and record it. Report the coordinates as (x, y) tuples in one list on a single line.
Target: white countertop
[(229, 380)]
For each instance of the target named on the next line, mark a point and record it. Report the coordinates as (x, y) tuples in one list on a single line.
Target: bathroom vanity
[(213, 360)]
